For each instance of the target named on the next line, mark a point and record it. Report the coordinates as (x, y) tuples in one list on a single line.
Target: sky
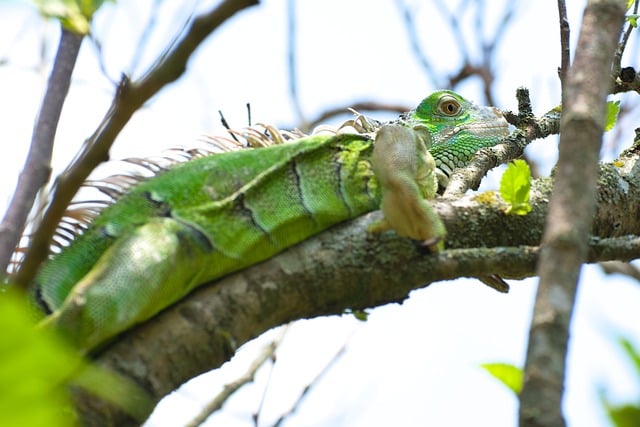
[(411, 364)]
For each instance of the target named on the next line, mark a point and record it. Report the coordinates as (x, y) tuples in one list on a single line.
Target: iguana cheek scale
[(211, 216)]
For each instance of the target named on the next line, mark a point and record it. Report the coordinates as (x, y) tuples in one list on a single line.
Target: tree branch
[(571, 210), (128, 99), (267, 353), (360, 106), (565, 48), (37, 168), (346, 268), (617, 60), (414, 43), (510, 148), (292, 67)]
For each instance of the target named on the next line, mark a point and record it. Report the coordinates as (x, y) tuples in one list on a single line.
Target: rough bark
[(571, 211), (38, 164), (129, 98), (345, 268)]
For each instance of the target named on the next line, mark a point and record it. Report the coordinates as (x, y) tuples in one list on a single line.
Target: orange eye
[(449, 106)]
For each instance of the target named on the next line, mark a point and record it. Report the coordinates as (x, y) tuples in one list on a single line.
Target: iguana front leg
[(406, 172)]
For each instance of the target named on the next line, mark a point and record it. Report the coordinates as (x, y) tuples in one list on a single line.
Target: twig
[(612, 267), (358, 106), (267, 353), (489, 47), (510, 148), (37, 167), (311, 383), (565, 48), (414, 43), (571, 210), (617, 61), (291, 62), (456, 30), (129, 98)]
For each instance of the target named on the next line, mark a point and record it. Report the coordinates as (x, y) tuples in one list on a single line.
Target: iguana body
[(208, 217)]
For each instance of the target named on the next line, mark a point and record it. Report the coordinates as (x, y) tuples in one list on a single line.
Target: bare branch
[(291, 62), (456, 30), (414, 43), (358, 106), (128, 99), (612, 267), (489, 47), (565, 48), (267, 353), (37, 168), (311, 383), (511, 148), (617, 61), (571, 211)]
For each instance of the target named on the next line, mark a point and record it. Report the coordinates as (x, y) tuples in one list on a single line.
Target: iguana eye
[(449, 106)]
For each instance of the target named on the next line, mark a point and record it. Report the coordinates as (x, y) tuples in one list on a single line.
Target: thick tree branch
[(571, 210), (129, 98), (344, 268)]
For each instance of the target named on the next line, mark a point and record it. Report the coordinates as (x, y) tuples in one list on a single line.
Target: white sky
[(411, 364)]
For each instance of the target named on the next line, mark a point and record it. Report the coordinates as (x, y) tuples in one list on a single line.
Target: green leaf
[(74, 15), (36, 366), (509, 375), (119, 390), (633, 20), (33, 368), (613, 108), (361, 315), (623, 415), (515, 187), (631, 352)]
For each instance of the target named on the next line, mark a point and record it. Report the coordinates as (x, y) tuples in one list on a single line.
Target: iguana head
[(458, 128), (448, 116)]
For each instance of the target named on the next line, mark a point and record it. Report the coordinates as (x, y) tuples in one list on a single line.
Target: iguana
[(210, 216)]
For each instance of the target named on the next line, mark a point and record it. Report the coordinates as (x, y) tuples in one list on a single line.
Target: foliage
[(361, 315), (515, 187), (613, 108), (33, 367), (509, 375), (37, 367), (74, 15), (626, 415)]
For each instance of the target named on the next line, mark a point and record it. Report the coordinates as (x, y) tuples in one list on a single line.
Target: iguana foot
[(406, 172)]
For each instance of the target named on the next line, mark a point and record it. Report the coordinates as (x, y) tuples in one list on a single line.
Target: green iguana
[(210, 216)]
